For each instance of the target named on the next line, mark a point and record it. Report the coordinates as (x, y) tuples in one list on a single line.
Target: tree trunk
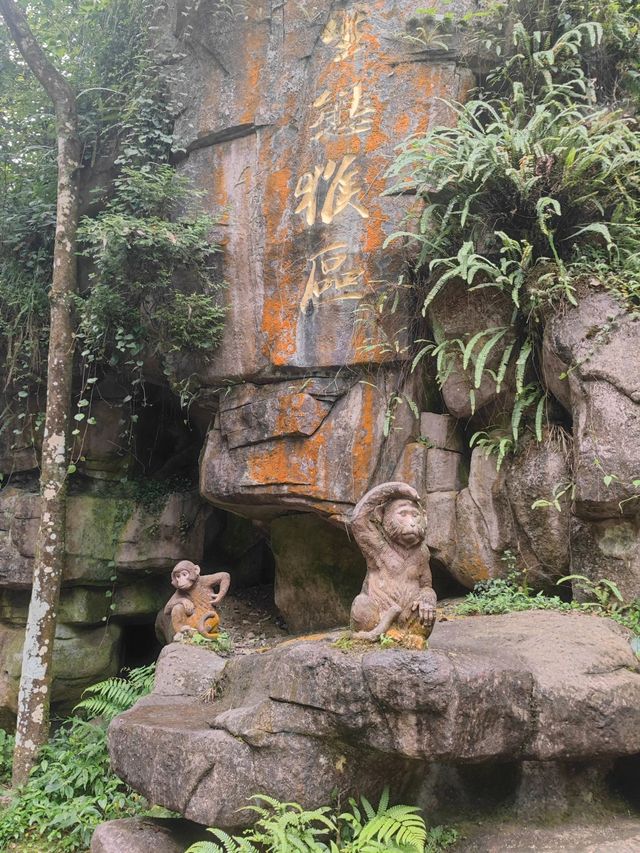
[(35, 683)]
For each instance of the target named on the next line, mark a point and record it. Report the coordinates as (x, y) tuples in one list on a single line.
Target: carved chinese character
[(343, 114), (344, 33), (327, 271), (343, 191)]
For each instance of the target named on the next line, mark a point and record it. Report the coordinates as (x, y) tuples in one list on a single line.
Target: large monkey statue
[(389, 525), (192, 606)]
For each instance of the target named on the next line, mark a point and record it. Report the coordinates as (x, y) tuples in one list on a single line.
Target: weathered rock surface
[(319, 571), (617, 834), (102, 530), (533, 686), (457, 314), (81, 656), (495, 514), (289, 115), (592, 365), (305, 444), (146, 835)]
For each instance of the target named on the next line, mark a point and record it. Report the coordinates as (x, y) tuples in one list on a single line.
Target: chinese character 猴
[(343, 191)]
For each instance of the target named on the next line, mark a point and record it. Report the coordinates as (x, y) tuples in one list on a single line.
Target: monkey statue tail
[(208, 624)]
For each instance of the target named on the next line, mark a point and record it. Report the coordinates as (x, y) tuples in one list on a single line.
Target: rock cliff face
[(288, 119), (287, 115)]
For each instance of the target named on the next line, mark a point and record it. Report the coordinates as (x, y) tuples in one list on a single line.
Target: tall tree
[(35, 684)]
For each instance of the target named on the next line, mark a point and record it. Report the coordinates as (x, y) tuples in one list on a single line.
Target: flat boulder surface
[(310, 715), (616, 835)]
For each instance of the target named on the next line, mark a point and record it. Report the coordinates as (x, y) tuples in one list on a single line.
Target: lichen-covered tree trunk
[(35, 684)]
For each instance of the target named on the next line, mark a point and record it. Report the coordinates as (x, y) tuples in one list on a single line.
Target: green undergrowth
[(221, 645), (512, 595), (286, 827), (72, 788)]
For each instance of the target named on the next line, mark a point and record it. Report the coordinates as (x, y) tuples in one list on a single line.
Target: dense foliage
[(138, 244), (284, 827), (72, 788), (149, 285), (534, 190)]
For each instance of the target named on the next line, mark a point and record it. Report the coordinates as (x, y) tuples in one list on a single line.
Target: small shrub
[(7, 742), (138, 244), (222, 644), (72, 788), (500, 595), (69, 792)]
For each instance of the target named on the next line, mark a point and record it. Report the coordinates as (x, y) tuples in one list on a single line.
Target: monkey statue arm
[(368, 536), (179, 598), (426, 600), (223, 579)]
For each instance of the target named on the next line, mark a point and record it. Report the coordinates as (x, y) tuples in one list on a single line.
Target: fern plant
[(109, 698), (535, 188), (287, 827)]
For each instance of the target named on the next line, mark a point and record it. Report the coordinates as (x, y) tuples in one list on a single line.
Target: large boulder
[(309, 444), (592, 366), (457, 314), (495, 516), (308, 717)]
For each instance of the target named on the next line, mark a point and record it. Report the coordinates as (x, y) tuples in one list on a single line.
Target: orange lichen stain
[(290, 413), (254, 49), (363, 457), (279, 324), (277, 198), (401, 126), (374, 234), (291, 462)]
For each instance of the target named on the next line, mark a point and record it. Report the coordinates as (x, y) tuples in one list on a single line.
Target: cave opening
[(139, 646)]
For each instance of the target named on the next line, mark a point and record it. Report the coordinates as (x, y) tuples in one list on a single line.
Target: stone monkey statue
[(389, 525), (192, 606)]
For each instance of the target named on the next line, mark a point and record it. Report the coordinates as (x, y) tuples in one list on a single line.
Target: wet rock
[(540, 686)]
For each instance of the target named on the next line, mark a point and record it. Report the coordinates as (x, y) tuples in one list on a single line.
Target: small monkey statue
[(389, 525), (192, 606)]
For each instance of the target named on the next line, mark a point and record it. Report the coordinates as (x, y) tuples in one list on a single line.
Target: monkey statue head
[(403, 523), (185, 575)]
